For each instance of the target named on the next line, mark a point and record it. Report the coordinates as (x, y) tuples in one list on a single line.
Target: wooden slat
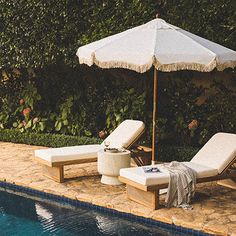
[(63, 163), (79, 161), (142, 155), (55, 173), (43, 162), (149, 199), (229, 183), (132, 183), (162, 186)]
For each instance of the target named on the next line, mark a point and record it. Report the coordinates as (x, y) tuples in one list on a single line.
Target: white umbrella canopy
[(158, 44)]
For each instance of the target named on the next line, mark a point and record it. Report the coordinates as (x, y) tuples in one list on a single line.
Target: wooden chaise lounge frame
[(149, 195), (55, 170)]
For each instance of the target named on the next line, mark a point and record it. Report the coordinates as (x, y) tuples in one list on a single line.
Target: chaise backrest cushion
[(218, 152), (125, 134)]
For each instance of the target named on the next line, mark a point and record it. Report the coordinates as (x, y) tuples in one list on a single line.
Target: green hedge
[(35, 33), (165, 152), (175, 153), (48, 140)]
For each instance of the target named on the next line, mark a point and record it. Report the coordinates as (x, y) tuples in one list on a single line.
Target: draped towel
[(182, 184)]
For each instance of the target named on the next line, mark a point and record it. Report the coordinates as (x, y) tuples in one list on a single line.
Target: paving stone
[(232, 217), (232, 228), (216, 227)]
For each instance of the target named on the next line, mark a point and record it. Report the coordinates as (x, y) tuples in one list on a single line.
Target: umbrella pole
[(154, 116)]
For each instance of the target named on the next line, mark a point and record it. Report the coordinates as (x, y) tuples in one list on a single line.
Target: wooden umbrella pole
[(154, 116)]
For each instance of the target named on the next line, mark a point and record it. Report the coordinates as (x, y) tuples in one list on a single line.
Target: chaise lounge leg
[(147, 198), (229, 183), (55, 173)]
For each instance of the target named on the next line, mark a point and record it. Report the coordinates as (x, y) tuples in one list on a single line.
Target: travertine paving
[(214, 206)]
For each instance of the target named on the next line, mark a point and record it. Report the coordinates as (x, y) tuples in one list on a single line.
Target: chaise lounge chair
[(54, 159), (212, 162)]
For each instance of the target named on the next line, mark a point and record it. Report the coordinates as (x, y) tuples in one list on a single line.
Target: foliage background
[(36, 33), (38, 41)]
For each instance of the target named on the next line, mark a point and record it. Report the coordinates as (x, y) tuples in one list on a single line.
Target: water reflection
[(24, 216)]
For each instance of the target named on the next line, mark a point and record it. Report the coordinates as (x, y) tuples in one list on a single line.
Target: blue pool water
[(20, 215)]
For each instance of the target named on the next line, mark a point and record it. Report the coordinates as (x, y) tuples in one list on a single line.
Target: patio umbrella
[(158, 44)]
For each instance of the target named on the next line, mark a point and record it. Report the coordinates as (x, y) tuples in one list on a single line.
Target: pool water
[(20, 215)]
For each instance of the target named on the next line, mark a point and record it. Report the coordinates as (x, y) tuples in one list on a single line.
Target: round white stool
[(109, 165)]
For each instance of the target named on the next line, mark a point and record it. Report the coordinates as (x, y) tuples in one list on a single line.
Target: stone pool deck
[(214, 206)]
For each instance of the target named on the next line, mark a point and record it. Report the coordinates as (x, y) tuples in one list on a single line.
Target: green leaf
[(87, 133), (58, 126), (65, 122), (29, 124), (15, 124), (64, 115), (42, 126)]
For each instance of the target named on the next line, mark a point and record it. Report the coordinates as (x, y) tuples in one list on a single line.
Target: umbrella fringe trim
[(194, 66), (161, 67), (117, 64)]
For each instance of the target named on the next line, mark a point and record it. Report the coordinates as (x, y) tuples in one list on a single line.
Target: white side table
[(109, 165)]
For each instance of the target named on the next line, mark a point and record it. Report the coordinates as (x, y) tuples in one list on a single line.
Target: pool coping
[(78, 203)]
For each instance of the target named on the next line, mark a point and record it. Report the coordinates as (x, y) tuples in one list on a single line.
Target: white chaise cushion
[(218, 152), (125, 134), (68, 153), (137, 174)]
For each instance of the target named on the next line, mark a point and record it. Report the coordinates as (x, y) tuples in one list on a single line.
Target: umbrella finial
[(157, 15)]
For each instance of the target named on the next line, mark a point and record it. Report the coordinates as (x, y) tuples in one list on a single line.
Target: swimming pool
[(20, 215)]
